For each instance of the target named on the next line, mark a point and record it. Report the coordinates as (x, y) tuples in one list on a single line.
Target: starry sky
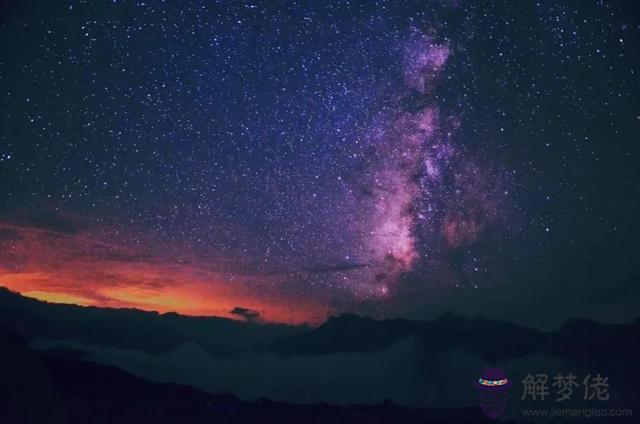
[(286, 161)]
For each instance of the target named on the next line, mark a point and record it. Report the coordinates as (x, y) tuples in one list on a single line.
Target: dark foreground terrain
[(66, 384), (56, 387)]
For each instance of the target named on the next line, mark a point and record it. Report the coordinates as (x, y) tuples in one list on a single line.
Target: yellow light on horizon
[(58, 297)]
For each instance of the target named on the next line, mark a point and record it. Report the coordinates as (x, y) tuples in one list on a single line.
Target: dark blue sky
[(393, 157)]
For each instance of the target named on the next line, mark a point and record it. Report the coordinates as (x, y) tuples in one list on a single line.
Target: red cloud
[(82, 268)]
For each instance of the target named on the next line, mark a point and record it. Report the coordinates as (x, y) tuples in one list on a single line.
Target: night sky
[(287, 161)]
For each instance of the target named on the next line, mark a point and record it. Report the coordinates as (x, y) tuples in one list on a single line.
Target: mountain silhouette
[(57, 389), (76, 383), (131, 328), (494, 340)]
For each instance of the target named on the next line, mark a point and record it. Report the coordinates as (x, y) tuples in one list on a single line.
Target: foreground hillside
[(420, 366), (54, 387), (131, 328)]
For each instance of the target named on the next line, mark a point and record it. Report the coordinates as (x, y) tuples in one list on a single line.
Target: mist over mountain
[(133, 329), (427, 364), (53, 387)]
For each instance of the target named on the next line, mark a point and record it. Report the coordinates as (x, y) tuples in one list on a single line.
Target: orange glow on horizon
[(53, 297), (76, 269)]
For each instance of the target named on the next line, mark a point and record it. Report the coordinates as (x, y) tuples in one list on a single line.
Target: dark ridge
[(131, 328), (72, 391)]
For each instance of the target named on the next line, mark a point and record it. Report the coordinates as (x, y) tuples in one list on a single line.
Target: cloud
[(246, 313), (48, 220), (50, 259)]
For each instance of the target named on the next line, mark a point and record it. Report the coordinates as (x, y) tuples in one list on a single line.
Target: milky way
[(421, 194), (404, 151), (289, 162)]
